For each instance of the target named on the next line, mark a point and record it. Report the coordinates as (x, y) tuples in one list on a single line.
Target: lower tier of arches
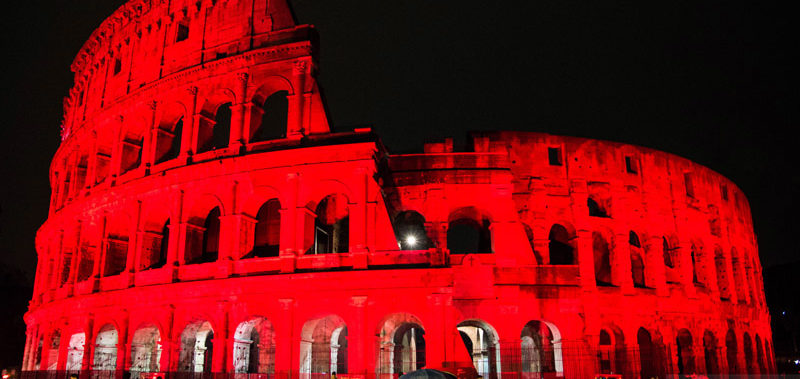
[(365, 325)]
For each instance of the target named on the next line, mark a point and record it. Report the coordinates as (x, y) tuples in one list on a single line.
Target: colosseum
[(206, 221)]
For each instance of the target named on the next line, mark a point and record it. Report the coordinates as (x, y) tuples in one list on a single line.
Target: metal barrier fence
[(550, 362)]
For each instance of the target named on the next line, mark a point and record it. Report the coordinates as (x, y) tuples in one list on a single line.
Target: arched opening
[(86, 254), (602, 260), (732, 353), (537, 255), (168, 140), (483, 346), (37, 357), (637, 262), (118, 231), (760, 355), (130, 151), (52, 353), (268, 230), (75, 348), (254, 347), (409, 229), (710, 352), (738, 277), (105, 350), (541, 349), (562, 249), (722, 274), (651, 356), (668, 253), (209, 247), (332, 226), (684, 343), (145, 350), (696, 278), (468, 232), (611, 352), (197, 348), (409, 348), (155, 247), (274, 116), (323, 347), (402, 346), (748, 354), (595, 208), (212, 135)]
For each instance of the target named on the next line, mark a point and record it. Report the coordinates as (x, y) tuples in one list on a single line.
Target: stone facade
[(204, 218)]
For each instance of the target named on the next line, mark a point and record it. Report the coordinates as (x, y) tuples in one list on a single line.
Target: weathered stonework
[(205, 218)]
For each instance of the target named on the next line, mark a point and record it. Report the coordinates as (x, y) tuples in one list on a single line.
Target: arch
[(270, 117), (732, 353), (409, 228), (119, 229), (537, 255), (738, 276), (55, 346), (323, 346), (331, 227), (197, 347), (131, 144), (651, 355), (402, 344), (747, 346), (77, 342), (105, 350), (202, 232), (760, 355), (169, 132), (468, 232), (685, 349), (541, 348), (602, 260), (145, 350), (710, 352), (214, 126), (254, 347), (721, 268), (269, 86), (483, 345), (611, 352), (637, 260), (561, 246), (266, 239), (595, 207)]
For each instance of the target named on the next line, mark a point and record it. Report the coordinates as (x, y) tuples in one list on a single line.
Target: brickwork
[(204, 218)]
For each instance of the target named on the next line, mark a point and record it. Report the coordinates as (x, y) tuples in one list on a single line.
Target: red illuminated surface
[(204, 218)]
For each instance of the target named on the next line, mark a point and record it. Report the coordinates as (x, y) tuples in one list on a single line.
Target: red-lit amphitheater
[(206, 220)]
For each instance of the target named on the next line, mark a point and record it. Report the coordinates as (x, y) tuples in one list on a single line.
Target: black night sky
[(713, 81)]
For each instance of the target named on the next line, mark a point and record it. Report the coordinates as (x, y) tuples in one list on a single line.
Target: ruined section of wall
[(205, 219)]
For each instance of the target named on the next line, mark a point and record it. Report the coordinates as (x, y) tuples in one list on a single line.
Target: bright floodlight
[(411, 241)]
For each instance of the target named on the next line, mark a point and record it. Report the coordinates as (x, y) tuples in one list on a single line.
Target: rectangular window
[(554, 155), (687, 178), (630, 165), (183, 32)]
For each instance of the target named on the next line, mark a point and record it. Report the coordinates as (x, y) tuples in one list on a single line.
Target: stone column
[(116, 151), (236, 142), (190, 124), (148, 142), (285, 342), (295, 117), (586, 260), (621, 262)]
